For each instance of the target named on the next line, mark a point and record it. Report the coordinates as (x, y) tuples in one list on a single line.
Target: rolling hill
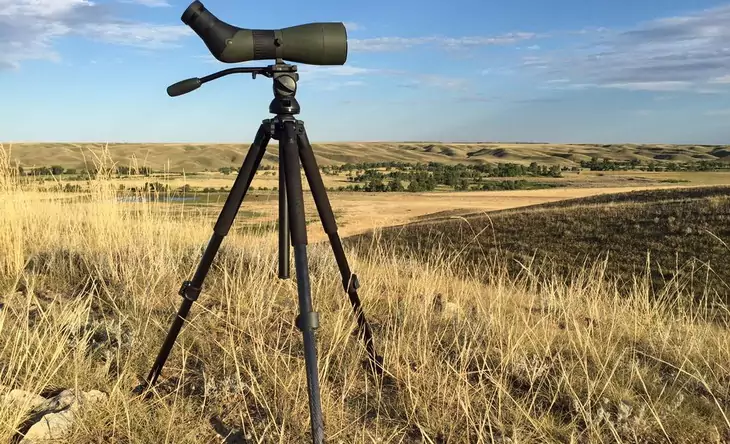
[(198, 157)]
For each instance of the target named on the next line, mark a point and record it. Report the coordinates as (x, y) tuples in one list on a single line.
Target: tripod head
[(284, 75)]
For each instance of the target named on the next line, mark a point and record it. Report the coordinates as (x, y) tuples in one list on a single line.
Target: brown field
[(199, 157)]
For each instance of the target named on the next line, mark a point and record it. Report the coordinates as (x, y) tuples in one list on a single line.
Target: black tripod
[(293, 146)]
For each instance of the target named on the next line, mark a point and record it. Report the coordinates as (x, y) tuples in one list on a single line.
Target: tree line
[(57, 170), (636, 165), (388, 176)]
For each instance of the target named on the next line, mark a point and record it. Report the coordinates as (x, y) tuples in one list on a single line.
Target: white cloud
[(497, 71), (535, 62), (684, 53), (387, 44), (311, 72), (140, 35), (721, 79), (718, 112), (326, 75), (341, 70), (590, 30), (40, 8), (29, 28), (651, 86), (436, 81), (384, 44), (150, 3)]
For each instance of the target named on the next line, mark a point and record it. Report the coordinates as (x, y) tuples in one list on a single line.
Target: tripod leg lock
[(189, 292), (310, 321), (354, 284)]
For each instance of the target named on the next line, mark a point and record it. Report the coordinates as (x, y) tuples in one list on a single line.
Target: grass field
[(88, 291)]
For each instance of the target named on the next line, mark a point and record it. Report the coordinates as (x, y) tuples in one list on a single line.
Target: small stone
[(21, 398), (58, 414)]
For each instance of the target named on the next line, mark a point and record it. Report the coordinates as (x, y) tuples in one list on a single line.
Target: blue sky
[(462, 70)]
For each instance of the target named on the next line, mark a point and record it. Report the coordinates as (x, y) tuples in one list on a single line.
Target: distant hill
[(198, 157), (679, 228)]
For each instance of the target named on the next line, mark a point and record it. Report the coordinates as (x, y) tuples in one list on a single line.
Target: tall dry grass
[(88, 292)]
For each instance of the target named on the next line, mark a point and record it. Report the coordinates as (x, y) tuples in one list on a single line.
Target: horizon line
[(367, 142)]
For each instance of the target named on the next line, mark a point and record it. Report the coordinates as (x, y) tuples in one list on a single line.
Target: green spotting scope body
[(312, 43)]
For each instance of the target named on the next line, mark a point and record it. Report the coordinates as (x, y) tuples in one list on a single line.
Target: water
[(160, 199)]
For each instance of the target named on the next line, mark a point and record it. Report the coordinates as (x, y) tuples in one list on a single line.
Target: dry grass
[(88, 293)]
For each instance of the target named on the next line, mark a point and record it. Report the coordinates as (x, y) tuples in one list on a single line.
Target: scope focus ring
[(263, 44)]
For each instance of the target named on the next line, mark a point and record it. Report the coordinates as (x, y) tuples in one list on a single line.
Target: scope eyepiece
[(214, 33), (192, 12), (312, 43)]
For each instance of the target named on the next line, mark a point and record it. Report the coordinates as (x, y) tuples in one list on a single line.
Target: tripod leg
[(307, 321), (283, 224), (349, 280), (190, 290)]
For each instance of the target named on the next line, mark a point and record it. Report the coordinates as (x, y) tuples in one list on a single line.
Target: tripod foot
[(143, 390), (140, 389)]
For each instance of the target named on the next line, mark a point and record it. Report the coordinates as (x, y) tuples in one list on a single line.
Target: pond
[(156, 199), (200, 198)]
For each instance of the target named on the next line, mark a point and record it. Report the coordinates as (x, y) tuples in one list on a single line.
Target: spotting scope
[(320, 43)]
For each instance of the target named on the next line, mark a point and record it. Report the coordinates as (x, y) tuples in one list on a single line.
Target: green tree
[(462, 185), (395, 185)]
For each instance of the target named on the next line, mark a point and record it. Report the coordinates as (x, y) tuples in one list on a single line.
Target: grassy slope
[(679, 229), (197, 157)]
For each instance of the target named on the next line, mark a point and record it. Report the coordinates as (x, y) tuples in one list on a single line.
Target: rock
[(59, 402), (20, 399), (56, 414), (53, 426)]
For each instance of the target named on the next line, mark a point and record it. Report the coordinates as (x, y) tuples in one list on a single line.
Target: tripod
[(293, 146)]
